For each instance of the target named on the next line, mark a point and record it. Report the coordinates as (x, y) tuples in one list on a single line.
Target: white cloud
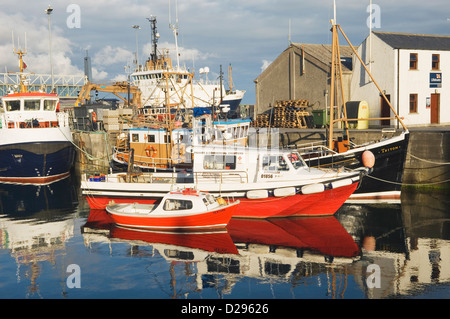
[(33, 35), (265, 64), (109, 56)]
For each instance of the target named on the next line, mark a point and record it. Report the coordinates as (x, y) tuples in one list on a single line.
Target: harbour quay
[(427, 164)]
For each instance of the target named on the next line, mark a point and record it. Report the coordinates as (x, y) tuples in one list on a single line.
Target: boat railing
[(62, 120), (149, 162), (173, 177), (314, 148)]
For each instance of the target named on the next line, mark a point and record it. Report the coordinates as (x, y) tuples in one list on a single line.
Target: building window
[(413, 103), (413, 61), (435, 61)]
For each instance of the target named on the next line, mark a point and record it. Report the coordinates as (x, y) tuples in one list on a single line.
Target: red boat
[(180, 210)]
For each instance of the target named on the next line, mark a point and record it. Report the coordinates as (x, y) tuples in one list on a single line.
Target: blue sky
[(248, 34)]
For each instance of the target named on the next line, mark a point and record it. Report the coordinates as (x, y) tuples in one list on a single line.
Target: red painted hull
[(34, 180), (215, 219), (325, 203), (324, 235)]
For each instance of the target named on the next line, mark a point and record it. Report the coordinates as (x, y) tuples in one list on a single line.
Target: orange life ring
[(150, 151), (94, 117)]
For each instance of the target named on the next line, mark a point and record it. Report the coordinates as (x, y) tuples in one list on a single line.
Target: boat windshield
[(274, 163), (50, 105), (12, 106), (209, 199), (32, 105), (296, 160), (177, 204)]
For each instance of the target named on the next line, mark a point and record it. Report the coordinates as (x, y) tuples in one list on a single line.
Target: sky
[(246, 34)]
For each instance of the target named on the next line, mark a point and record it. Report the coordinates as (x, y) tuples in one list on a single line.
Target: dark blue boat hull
[(36, 163)]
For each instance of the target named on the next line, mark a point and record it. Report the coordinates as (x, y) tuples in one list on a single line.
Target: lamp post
[(49, 11), (136, 27)]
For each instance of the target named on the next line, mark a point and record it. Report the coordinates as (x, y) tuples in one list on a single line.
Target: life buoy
[(150, 151), (94, 117)]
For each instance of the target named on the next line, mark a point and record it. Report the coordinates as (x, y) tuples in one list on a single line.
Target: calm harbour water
[(53, 247)]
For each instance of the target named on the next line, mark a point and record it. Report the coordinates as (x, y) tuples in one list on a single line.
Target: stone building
[(302, 71)]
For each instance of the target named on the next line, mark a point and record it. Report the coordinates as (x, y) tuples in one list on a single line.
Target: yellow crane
[(116, 88)]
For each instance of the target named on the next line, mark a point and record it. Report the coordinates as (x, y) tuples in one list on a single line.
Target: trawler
[(35, 138)]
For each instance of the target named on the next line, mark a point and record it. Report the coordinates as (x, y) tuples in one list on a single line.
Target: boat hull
[(324, 203), (214, 219), (385, 181), (36, 163)]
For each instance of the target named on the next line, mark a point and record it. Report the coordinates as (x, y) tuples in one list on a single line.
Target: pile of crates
[(117, 120), (290, 114)]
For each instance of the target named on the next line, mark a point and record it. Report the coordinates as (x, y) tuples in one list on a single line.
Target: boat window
[(151, 138), (12, 106), (219, 161), (296, 160), (32, 105), (177, 204), (49, 105), (274, 163), (135, 138)]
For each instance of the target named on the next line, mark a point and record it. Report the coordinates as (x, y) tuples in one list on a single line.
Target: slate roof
[(415, 41), (322, 52)]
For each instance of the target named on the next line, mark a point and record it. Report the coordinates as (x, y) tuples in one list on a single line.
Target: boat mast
[(174, 28), (22, 66), (336, 71)]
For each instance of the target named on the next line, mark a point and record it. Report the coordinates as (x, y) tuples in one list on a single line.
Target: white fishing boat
[(35, 138), (162, 84)]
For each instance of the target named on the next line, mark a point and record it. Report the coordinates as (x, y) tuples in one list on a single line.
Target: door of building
[(435, 105), (385, 110)]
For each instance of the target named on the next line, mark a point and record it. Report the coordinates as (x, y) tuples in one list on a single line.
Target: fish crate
[(290, 114), (262, 120)]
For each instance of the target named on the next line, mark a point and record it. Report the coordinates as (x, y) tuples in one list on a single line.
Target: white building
[(413, 71)]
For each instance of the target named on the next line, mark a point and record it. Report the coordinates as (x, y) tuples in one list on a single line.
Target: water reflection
[(35, 224), (320, 257)]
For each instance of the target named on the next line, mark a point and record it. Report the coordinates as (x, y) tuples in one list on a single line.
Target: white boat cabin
[(31, 110)]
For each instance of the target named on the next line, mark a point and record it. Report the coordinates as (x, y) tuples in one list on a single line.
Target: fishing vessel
[(384, 183), (35, 138), (267, 182), (160, 146), (162, 84), (178, 210)]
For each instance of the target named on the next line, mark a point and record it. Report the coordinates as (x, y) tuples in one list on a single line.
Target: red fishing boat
[(181, 210)]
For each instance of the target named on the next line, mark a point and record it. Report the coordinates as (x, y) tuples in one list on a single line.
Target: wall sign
[(435, 80)]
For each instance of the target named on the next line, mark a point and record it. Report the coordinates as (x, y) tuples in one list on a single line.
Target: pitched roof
[(414, 41), (322, 52)]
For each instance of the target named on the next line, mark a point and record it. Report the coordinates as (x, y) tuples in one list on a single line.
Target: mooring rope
[(428, 161)]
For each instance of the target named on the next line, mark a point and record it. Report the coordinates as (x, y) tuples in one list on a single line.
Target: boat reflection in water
[(284, 249), (35, 224)]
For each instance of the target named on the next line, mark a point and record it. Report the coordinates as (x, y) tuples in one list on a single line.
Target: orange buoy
[(368, 159)]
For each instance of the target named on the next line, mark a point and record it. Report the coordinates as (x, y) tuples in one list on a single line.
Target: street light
[(136, 27), (49, 11)]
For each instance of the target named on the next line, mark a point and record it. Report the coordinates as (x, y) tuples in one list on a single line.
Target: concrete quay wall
[(427, 164), (428, 159)]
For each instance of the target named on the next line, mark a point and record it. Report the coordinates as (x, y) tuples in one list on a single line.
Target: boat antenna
[(22, 65), (155, 37), (174, 28)]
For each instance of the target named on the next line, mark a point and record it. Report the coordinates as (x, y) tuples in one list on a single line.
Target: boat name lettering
[(390, 149)]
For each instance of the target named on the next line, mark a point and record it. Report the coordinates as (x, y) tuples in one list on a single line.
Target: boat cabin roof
[(30, 101)]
